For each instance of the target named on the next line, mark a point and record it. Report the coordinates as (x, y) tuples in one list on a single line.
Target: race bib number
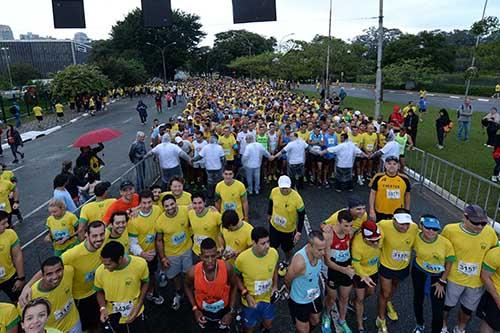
[(89, 277), (400, 255), (312, 294), (178, 238), (2, 205), (213, 307), (59, 314), (199, 239), (331, 141), (340, 255), (229, 206), (2, 272), (280, 220), (373, 261), (433, 267), (394, 194), (60, 234), (124, 308), (262, 287), (316, 149), (150, 238), (227, 151), (468, 268)]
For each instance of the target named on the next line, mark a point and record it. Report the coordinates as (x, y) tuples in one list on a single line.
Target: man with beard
[(117, 230)]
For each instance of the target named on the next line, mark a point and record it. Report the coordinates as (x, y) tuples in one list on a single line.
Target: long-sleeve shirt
[(345, 153), (66, 198), (169, 155), (465, 113), (252, 158), (138, 151)]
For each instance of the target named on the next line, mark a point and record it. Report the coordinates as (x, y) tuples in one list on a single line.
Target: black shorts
[(281, 239), (337, 279), (39, 118), (391, 274), (302, 312), (60, 114), (488, 311), (153, 266), (358, 284), (382, 216), (213, 321), (7, 286), (88, 308)]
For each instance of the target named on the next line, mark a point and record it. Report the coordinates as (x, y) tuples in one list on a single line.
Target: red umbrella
[(97, 136)]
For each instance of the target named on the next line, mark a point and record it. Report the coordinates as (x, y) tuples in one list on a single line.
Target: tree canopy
[(77, 79)]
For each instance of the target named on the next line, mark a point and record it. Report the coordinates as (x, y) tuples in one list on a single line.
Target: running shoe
[(343, 325), (457, 330), (176, 302), (391, 312), (158, 300), (419, 329), (381, 325), (326, 323), (445, 330)]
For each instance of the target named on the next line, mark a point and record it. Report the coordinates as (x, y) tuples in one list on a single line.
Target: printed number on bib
[(340, 255), (124, 308), (280, 220), (59, 314), (400, 255), (2, 272), (393, 194), (213, 307), (178, 238), (468, 268), (262, 287), (433, 267), (312, 294), (229, 206)]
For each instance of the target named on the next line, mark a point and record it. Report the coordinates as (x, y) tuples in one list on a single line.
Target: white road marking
[(409, 93), (33, 240), (18, 168), (431, 95), (483, 99), (33, 211), (455, 97), (392, 91), (127, 120)]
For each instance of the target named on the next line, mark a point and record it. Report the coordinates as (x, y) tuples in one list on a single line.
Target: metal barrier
[(453, 183)]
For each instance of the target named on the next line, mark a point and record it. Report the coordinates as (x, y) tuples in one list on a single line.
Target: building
[(46, 56), (32, 36), (6, 33), (81, 38)]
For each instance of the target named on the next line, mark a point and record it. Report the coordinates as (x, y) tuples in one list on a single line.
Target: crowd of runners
[(194, 234)]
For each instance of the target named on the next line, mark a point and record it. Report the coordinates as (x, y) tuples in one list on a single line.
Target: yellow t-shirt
[(231, 196), (123, 239), (95, 211), (176, 232), (122, 287), (59, 108), (84, 264), (304, 135), (183, 200), (238, 240), (382, 140), (432, 256), (369, 142), (470, 250), (7, 175), (5, 188), (390, 192), (8, 240), (365, 258), (227, 144), (285, 209), (9, 317), (204, 226), (63, 312), (357, 139), (356, 223), (143, 227), (257, 273), (37, 111), (491, 263), (396, 246), (62, 227)]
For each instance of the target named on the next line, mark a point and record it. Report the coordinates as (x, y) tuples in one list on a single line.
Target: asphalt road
[(447, 101), (43, 160)]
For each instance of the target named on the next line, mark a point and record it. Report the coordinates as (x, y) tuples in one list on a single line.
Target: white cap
[(178, 139), (357, 112), (284, 182), (403, 218), (190, 118)]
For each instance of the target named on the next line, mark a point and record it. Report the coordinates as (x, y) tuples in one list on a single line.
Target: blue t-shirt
[(66, 197)]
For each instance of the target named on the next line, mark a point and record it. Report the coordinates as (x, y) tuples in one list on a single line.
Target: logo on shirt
[(2, 247), (128, 282), (484, 246)]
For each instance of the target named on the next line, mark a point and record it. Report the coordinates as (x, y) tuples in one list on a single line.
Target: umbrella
[(97, 136)]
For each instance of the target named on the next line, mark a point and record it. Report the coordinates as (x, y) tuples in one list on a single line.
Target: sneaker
[(270, 178), (494, 178), (343, 325), (457, 330), (445, 330), (360, 181), (326, 323), (176, 302), (158, 300), (391, 312), (440, 147), (15, 161), (22, 156), (419, 329), (257, 192), (381, 325), (275, 177)]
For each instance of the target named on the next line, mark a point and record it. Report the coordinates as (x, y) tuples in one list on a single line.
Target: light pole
[(280, 43), (467, 86), (327, 74), (378, 80), (249, 44), (162, 50), (4, 49)]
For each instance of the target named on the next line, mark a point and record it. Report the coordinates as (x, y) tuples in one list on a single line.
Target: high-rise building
[(81, 38), (6, 32), (32, 36)]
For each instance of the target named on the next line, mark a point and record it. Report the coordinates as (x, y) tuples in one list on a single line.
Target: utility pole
[(4, 49), (467, 86), (162, 50), (327, 74), (378, 80)]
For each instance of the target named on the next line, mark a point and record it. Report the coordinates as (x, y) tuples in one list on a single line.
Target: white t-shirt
[(252, 158), (345, 153), (198, 146), (391, 148), (295, 151), (242, 141), (168, 154), (212, 154)]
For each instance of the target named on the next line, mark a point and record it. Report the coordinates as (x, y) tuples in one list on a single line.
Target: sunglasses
[(433, 229), (482, 224)]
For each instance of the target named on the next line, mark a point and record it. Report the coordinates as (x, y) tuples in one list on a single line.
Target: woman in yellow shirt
[(35, 315)]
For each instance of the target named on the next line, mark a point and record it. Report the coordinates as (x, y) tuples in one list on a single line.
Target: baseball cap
[(475, 213), (126, 183), (355, 201), (403, 218), (370, 230), (178, 139), (392, 158), (284, 182), (101, 188), (430, 222)]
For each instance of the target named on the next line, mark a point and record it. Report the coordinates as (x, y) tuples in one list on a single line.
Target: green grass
[(471, 155)]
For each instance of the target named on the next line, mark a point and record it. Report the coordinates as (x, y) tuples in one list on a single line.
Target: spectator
[(442, 126), (492, 123), (464, 120), (143, 113), (14, 140), (496, 157), (136, 154), (396, 118), (411, 124), (169, 155), (89, 160), (16, 112)]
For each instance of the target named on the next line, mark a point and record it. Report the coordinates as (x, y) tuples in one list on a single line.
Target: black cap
[(126, 183), (355, 201), (392, 158), (101, 188)]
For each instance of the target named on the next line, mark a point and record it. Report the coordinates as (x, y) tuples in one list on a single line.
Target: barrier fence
[(453, 183)]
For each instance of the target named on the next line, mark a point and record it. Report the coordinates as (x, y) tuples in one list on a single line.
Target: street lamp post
[(378, 79), (4, 49), (280, 43), (327, 74), (162, 50)]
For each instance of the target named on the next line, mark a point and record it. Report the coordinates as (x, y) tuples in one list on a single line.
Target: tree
[(22, 73), (123, 72), (406, 70), (76, 79), (369, 39)]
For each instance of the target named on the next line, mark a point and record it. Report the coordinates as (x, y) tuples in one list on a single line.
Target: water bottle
[(326, 323)]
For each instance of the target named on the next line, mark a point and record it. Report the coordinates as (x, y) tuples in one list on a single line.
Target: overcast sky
[(303, 18)]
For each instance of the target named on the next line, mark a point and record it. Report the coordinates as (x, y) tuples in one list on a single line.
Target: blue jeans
[(463, 127), (253, 179)]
